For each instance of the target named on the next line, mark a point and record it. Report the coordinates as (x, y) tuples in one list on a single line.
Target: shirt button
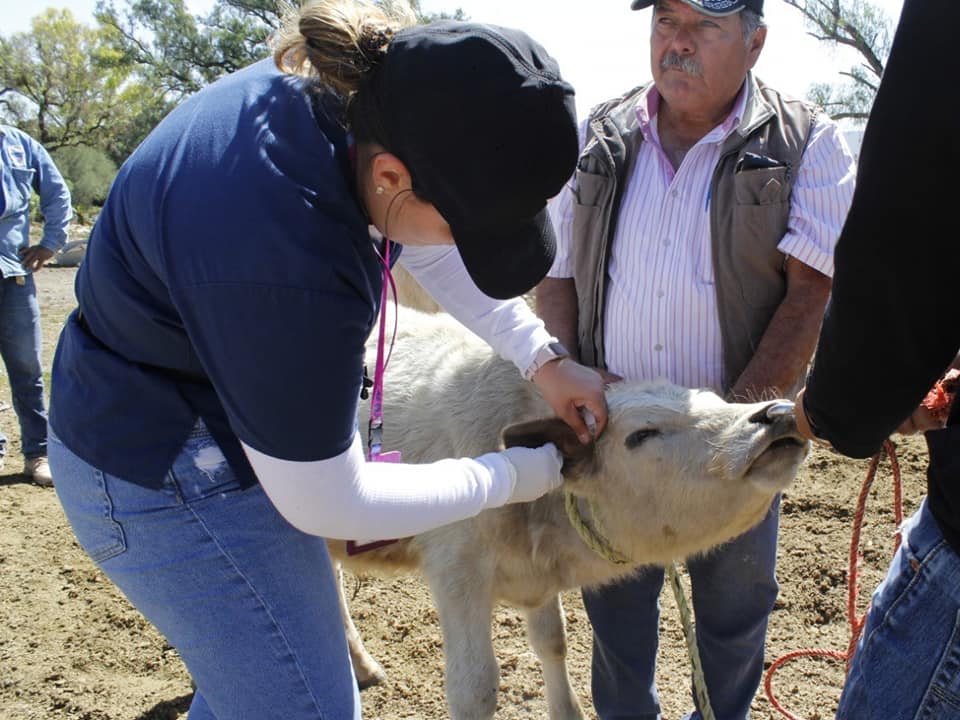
[(674, 193), (660, 293), (658, 347), (666, 242)]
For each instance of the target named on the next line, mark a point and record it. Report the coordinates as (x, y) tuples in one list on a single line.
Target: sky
[(602, 46)]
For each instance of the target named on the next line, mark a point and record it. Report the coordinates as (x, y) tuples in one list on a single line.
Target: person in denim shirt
[(25, 168)]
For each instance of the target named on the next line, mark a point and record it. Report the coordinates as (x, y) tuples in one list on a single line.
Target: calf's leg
[(462, 591), (365, 668), (548, 637)]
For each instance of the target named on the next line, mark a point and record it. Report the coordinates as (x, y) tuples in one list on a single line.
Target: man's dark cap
[(488, 130), (718, 8)]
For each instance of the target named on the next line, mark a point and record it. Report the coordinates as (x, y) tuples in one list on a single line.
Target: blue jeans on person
[(733, 588), (907, 663), (20, 347), (249, 602)]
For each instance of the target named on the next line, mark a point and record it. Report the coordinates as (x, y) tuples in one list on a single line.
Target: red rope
[(855, 621)]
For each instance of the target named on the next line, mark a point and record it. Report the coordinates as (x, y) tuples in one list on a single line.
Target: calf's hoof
[(371, 677)]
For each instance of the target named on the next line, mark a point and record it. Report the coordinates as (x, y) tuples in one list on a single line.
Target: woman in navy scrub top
[(204, 392)]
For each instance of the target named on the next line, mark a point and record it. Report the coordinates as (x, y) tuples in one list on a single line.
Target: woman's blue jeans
[(907, 664), (20, 346), (249, 602)]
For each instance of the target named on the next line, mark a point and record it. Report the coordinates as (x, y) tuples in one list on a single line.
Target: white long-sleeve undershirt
[(510, 327), (345, 497)]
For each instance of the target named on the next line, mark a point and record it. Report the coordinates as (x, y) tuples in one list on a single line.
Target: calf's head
[(677, 471)]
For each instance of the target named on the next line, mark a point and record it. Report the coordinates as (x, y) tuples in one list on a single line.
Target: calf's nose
[(771, 412)]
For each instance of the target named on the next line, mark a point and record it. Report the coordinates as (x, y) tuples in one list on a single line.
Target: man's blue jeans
[(733, 588), (249, 602), (20, 347), (907, 664)]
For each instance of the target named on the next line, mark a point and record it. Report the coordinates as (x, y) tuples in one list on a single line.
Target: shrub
[(88, 172)]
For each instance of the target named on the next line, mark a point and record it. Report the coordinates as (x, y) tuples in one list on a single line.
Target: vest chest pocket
[(591, 198), (760, 214), (591, 189), (762, 186)]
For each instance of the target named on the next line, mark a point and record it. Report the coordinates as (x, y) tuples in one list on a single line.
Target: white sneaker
[(38, 469)]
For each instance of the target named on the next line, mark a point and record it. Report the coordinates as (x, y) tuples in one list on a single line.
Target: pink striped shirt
[(661, 311)]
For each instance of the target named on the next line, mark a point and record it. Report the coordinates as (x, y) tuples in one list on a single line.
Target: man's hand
[(568, 386), (803, 424), (935, 407), (34, 258), (920, 420)]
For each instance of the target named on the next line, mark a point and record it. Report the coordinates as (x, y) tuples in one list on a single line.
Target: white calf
[(676, 472)]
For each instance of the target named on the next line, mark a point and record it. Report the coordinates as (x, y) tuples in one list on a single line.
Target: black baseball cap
[(717, 8), (488, 130)]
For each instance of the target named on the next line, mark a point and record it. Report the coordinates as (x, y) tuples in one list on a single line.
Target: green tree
[(457, 14), (859, 25), (177, 52), (59, 83), (241, 28), (67, 85), (180, 52), (265, 13)]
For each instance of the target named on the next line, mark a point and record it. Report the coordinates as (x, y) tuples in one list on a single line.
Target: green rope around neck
[(592, 536)]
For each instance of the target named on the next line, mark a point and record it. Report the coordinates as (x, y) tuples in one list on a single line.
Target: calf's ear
[(533, 434)]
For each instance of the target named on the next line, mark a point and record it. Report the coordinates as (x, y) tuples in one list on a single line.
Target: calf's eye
[(635, 439)]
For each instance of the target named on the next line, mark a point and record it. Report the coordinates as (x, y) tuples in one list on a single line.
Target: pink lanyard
[(375, 429)]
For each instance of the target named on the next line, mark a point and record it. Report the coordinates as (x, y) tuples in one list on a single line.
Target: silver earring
[(379, 189)]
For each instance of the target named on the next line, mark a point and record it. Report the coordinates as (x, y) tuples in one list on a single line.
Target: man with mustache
[(696, 243)]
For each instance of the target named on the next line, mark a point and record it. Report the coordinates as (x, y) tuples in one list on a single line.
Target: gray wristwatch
[(548, 353)]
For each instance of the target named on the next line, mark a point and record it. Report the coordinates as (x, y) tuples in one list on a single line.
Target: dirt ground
[(72, 647)]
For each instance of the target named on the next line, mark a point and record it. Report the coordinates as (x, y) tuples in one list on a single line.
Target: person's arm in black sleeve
[(891, 328)]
